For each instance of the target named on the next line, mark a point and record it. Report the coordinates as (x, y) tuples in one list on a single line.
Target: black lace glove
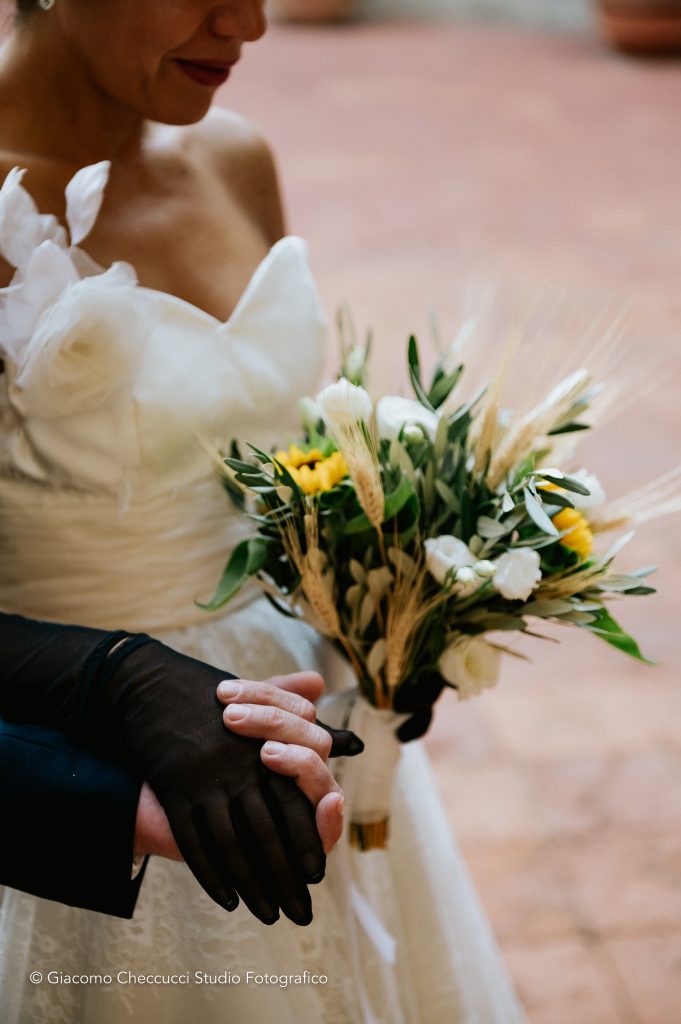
[(241, 828), (428, 687)]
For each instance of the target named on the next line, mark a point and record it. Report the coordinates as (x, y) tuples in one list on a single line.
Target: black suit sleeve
[(68, 813), (68, 821)]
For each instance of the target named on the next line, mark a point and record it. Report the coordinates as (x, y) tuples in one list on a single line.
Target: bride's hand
[(152, 831), (280, 710)]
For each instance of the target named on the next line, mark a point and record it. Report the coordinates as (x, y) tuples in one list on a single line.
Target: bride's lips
[(206, 72)]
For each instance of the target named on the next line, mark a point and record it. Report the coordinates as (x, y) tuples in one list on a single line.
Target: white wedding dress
[(111, 515)]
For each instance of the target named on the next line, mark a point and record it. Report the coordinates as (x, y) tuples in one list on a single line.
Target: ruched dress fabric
[(111, 515)]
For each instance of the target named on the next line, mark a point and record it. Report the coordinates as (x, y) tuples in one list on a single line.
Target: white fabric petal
[(22, 228), (18, 214), (51, 230), (84, 194), (48, 272)]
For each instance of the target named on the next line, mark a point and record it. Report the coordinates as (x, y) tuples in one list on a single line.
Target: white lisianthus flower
[(470, 664), (394, 413), (343, 404), (485, 568), (444, 554), (517, 573), (596, 497)]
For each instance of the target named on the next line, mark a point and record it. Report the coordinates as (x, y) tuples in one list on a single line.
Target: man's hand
[(280, 710), (302, 757)]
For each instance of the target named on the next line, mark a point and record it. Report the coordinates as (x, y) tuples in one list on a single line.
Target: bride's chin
[(181, 113)]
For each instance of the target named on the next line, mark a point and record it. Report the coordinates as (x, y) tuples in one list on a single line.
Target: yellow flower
[(311, 470), (296, 457), (579, 537)]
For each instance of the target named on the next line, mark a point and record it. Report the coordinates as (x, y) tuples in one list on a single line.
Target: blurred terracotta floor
[(415, 159)]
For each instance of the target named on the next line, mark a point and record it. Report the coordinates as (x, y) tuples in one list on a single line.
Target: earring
[(45, 5)]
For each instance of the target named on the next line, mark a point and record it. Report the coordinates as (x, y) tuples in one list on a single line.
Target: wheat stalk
[(659, 497), (568, 584), (523, 437), (407, 608), (486, 433)]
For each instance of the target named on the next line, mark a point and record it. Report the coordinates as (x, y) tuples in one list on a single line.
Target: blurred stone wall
[(568, 14)]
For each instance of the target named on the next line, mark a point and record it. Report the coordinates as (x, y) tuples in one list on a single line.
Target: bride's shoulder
[(243, 159), (228, 135)]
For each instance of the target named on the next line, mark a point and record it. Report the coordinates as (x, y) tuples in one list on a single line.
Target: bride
[(177, 306)]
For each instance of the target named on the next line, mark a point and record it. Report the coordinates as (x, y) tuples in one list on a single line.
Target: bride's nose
[(241, 19)]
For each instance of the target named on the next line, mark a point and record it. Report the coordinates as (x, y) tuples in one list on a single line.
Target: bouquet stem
[(368, 779)]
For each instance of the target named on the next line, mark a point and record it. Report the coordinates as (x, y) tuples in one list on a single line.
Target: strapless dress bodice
[(112, 393)]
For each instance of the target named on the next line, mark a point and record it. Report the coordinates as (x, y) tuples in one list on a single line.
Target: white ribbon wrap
[(367, 779)]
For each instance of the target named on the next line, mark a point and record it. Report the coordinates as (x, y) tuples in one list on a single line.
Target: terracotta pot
[(642, 26), (312, 10)]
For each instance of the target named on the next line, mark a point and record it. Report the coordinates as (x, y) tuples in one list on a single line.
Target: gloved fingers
[(218, 885), (314, 779), (416, 726), (344, 743), (270, 723), (306, 684), (246, 691), (253, 818), (213, 820), (295, 816)]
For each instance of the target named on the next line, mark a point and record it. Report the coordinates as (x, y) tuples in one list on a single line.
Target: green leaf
[(537, 514), (443, 386), (562, 480), (399, 458), (394, 503), (605, 627), (450, 499), (490, 529), (246, 560), (556, 500), (415, 373), (621, 583), (570, 484), (569, 428), (441, 438), (263, 457), (545, 608)]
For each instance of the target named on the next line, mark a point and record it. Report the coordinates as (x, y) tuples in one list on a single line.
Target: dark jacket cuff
[(69, 821)]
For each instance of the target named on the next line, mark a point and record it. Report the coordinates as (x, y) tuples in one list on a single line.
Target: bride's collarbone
[(203, 252), (183, 229)]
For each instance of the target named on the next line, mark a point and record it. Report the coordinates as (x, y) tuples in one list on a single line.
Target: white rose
[(394, 413), (596, 497), (517, 573), (84, 347), (343, 404), (446, 553), (470, 664)]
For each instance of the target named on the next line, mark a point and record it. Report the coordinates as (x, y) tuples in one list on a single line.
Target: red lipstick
[(206, 72)]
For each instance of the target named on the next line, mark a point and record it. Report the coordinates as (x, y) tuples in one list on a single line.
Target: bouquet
[(417, 533)]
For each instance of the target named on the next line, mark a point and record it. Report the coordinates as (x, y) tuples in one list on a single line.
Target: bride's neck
[(50, 107)]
